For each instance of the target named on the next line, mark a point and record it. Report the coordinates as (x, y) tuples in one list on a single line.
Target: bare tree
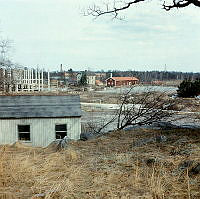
[(115, 6), (143, 109), (6, 66), (5, 46), (136, 109), (97, 127)]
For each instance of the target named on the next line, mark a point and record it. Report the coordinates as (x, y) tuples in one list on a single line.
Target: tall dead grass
[(104, 168)]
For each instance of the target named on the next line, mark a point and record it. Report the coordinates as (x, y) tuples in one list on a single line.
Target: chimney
[(110, 75), (61, 69)]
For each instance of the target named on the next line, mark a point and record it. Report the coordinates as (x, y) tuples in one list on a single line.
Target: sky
[(47, 33)]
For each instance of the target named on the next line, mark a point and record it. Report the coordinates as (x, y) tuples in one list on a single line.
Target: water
[(140, 89)]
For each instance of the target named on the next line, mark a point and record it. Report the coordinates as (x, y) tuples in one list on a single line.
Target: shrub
[(188, 88)]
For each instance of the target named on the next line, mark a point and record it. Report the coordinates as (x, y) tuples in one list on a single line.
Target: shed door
[(61, 131)]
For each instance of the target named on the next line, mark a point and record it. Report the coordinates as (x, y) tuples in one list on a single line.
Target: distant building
[(54, 83), (98, 83), (91, 79), (23, 79), (121, 81), (100, 76), (39, 120)]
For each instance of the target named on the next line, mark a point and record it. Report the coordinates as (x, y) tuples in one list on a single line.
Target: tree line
[(149, 76)]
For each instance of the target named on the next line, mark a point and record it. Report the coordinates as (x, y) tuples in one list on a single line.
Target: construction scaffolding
[(23, 79)]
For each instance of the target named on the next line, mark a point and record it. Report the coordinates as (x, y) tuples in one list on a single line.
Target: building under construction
[(23, 79)]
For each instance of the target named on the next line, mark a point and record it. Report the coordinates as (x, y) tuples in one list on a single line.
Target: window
[(24, 133), (61, 131)]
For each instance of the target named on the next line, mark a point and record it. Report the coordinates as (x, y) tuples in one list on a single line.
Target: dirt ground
[(147, 164), (185, 104)]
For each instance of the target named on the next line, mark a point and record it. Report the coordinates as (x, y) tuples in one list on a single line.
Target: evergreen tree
[(189, 88), (197, 87), (83, 80)]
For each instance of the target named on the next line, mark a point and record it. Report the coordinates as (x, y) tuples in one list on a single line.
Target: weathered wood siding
[(42, 129)]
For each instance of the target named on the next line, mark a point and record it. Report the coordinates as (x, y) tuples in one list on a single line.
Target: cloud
[(50, 32)]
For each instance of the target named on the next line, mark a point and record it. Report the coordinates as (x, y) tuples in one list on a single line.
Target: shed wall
[(42, 129)]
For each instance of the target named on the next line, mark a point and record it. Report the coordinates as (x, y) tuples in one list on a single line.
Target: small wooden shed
[(39, 120)]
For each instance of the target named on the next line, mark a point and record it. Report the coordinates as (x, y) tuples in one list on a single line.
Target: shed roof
[(39, 106)]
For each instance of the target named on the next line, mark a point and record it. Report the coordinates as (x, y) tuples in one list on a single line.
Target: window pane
[(61, 131), (24, 136), (23, 128), (60, 135), (61, 127)]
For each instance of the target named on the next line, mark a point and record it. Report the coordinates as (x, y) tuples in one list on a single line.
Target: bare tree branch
[(152, 108), (114, 7), (96, 127), (176, 4)]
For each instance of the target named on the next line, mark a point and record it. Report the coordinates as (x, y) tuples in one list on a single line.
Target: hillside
[(128, 164)]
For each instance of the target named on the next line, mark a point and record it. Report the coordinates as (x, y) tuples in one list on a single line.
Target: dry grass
[(108, 167)]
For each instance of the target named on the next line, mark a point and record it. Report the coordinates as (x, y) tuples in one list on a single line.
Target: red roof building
[(121, 81)]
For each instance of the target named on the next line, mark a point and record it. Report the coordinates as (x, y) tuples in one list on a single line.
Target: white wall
[(91, 80), (42, 130)]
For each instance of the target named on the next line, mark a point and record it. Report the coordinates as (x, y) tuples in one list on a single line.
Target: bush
[(188, 88)]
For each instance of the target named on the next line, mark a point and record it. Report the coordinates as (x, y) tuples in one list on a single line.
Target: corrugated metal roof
[(39, 106)]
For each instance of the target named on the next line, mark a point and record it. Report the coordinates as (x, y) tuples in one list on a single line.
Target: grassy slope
[(106, 167)]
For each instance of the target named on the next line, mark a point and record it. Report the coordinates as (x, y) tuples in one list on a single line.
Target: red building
[(121, 81)]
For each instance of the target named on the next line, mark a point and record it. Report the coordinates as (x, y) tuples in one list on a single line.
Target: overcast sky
[(46, 33)]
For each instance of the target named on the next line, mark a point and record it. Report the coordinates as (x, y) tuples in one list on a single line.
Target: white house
[(91, 79), (39, 120)]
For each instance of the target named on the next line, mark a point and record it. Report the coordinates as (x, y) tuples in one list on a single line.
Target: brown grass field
[(108, 167)]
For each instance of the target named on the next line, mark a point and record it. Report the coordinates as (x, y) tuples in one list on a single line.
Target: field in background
[(124, 165)]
